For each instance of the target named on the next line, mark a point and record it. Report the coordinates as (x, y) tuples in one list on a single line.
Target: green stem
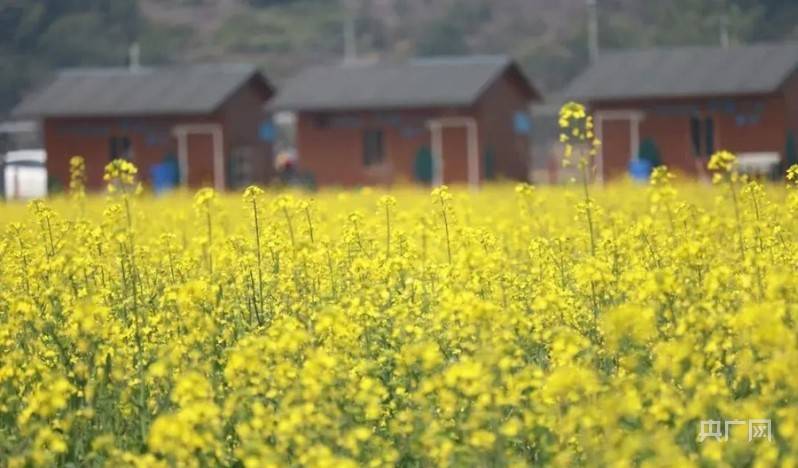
[(290, 227), (737, 218), (388, 232), (259, 257), (446, 228), (210, 240), (310, 224), (588, 210), (50, 235)]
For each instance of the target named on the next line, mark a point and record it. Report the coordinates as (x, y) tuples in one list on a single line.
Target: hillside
[(549, 38)]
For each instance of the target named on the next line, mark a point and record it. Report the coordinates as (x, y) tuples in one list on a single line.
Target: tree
[(448, 35), (37, 37)]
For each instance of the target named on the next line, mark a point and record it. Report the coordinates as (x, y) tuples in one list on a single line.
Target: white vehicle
[(758, 163), (24, 174)]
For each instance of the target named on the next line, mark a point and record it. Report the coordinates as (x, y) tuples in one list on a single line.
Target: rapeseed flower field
[(512, 326)]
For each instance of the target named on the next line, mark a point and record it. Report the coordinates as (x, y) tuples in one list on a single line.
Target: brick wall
[(330, 145)]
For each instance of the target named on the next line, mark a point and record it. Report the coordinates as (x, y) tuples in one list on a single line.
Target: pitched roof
[(686, 71), (431, 82), (182, 89)]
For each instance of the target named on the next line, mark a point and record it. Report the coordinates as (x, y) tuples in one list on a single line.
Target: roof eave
[(349, 107), (662, 97), (107, 115)]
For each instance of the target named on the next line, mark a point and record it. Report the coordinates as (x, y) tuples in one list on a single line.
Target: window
[(695, 134), (373, 149), (120, 148), (709, 135), (241, 171), (321, 121), (702, 135), (522, 123)]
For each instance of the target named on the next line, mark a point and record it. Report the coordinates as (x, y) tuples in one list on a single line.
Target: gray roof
[(430, 82), (180, 89), (686, 71)]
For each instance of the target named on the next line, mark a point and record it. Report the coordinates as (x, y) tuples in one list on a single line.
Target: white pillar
[(634, 137), (218, 159), (182, 156), (599, 128), (473, 155), (437, 154)]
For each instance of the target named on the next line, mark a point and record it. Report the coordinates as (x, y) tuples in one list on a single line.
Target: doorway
[(455, 151), (619, 133), (200, 155)]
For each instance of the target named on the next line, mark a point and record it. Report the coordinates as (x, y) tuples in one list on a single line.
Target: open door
[(422, 166), (200, 159), (454, 144)]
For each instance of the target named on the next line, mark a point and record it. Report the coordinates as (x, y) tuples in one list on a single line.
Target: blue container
[(640, 169), (164, 176)]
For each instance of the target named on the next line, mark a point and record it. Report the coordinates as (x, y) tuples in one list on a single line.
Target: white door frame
[(436, 127), (633, 116), (217, 135)]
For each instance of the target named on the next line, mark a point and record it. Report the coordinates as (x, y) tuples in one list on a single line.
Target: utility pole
[(350, 45), (592, 30), (724, 31), (2, 177), (134, 56), (350, 35)]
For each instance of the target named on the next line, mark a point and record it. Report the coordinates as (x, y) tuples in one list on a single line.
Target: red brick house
[(441, 120), (207, 120), (682, 104)]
